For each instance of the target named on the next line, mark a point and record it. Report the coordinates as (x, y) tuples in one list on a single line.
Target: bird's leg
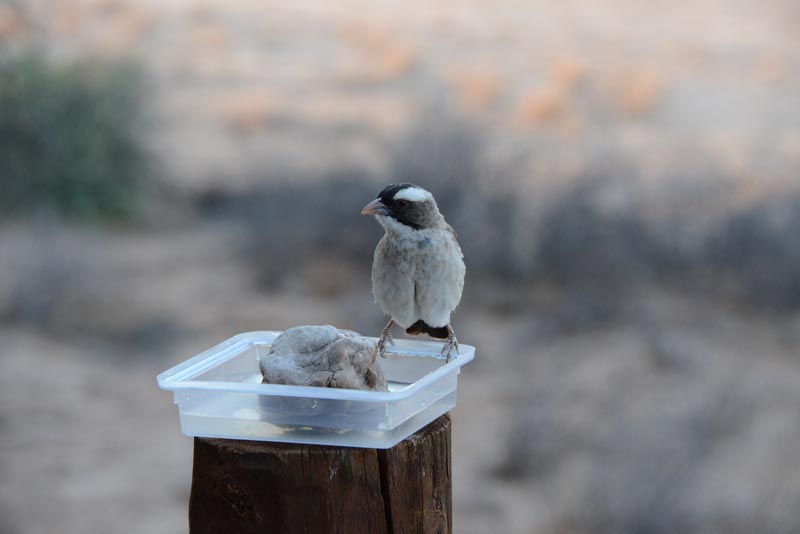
[(386, 336), (451, 344)]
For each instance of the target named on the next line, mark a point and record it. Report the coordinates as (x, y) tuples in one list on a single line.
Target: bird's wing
[(438, 285), (452, 232)]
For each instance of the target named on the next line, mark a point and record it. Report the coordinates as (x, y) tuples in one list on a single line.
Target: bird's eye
[(402, 203)]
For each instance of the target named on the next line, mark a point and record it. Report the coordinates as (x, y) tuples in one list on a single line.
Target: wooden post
[(248, 487)]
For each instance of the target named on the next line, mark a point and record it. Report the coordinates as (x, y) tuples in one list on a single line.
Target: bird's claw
[(449, 346), (386, 337)]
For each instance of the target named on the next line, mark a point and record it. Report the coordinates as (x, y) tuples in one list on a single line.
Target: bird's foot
[(450, 345), (386, 337), (382, 342)]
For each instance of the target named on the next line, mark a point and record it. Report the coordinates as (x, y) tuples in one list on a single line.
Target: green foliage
[(69, 143)]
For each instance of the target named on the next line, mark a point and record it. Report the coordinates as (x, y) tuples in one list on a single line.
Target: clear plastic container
[(220, 394)]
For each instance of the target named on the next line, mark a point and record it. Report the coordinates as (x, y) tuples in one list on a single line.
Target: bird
[(418, 268)]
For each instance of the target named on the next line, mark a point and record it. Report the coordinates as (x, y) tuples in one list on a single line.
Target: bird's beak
[(376, 207)]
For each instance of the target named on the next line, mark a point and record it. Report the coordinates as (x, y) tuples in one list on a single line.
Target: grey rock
[(323, 356)]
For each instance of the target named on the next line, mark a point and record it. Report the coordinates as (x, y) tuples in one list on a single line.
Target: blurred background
[(623, 177)]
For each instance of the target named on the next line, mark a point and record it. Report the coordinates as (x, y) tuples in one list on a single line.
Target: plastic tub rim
[(180, 377)]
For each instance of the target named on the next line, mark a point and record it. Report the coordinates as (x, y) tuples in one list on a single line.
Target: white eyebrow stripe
[(413, 194)]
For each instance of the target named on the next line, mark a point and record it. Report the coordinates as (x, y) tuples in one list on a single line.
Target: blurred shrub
[(69, 138), (601, 255), (588, 252), (450, 156), (288, 225), (581, 245), (291, 222), (44, 271), (592, 258), (758, 251)]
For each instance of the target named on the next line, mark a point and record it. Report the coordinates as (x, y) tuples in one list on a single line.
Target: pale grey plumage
[(418, 269), (418, 274)]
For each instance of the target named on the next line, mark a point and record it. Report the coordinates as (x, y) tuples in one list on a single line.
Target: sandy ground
[(89, 444)]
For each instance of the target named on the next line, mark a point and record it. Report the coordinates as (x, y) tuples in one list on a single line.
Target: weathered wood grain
[(259, 487), (417, 480)]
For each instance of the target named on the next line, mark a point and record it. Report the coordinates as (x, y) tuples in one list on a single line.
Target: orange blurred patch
[(570, 126), (248, 111), (383, 56), (788, 145), (550, 103), (567, 72), (208, 34), (396, 61), (11, 24), (125, 30), (754, 189), (381, 66), (476, 90), (540, 106), (68, 19), (638, 90), (770, 69), (383, 113), (366, 35)]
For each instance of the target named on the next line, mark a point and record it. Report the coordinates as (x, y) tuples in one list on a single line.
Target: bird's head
[(407, 204)]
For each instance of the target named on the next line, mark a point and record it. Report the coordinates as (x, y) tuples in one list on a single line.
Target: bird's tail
[(421, 327)]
